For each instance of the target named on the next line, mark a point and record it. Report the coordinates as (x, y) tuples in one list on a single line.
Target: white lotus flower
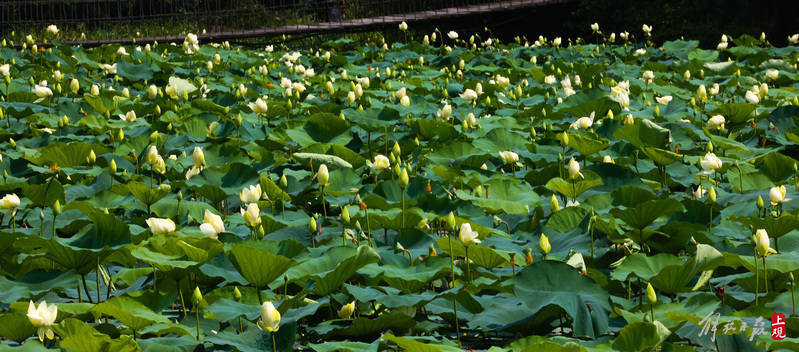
[(42, 91), (751, 97), (381, 163), (109, 69), (574, 169), (270, 318), (259, 106), (198, 156), (469, 95), (194, 171), (699, 192), (508, 157), (5, 70), (403, 26), (252, 216), (42, 318), (9, 201), (160, 225), (121, 51), (405, 101), (647, 29), (763, 244), (648, 76), (716, 122), (52, 29), (710, 164), (772, 74), (452, 35), (664, 100), (129, 116), (212, 224), (584, 122), (445, 112), (467, 236), (250, 194), (550, 80), (794, 39), (777, 195), (640, 52)]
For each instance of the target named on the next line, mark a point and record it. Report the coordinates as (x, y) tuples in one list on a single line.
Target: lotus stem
[(402, 224), (793, 299), (765, 275), (155, 280), (451, 261), (97, 273), (468, 272), (86, 288), (368, 230), (197, 312), (757, 279), (182, 303), (457, 326), (14, 221), (274, 345), (324, 209), (710, 220), (592, 225), (652, 311), (54, 215)]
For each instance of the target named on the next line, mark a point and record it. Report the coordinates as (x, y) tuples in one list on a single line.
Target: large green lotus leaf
[(16, 326), (418, 345), (574, 189), (163, 261), (586, 144), (329, 281), (567, 219), (428, 129), (725, 143), (209, 106), (644, 267), (547, 283), (680, 48), (703, 55), (644, 214), (345, 346), (661, 156), (630, 196), (226, 310), (643, 133), (735, 113), (452, 151), (135, 72), (44, 195), (255, 340), (68, 256), (363, 326), (78, 336), (506, 195), (108, 231), (181, 86), (68, 154), (129, 311), (106, 102), (168, 208), (486, 257), (375, 120), (410, 279), (324, 126), (148, 196), (589, 101), (784, 117), (272, 190), (319, 159), (775, 226), (776, 166), (35, 283), (641, 336), (499, 139), (258, 266), (751, 181)]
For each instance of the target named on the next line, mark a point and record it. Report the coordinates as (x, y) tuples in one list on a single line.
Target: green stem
[(260, 299), (765, 275), (241, 327), (155, 280), (97, 273), (793, 299), (368, 231), (402, 224), (710, 221), (457, 325), (652, 311), (14, 221), (451, 261), (283, 207), (592, 237), (197, 310), (757, 279), (343, 237), (468, 271), (54, 215), (182, 303), (274, 345), (324, 209)]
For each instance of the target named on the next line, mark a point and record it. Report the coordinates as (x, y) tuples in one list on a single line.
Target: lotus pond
[(434, 194)]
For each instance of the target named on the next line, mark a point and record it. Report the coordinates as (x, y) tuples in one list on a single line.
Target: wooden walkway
[(342, 26)]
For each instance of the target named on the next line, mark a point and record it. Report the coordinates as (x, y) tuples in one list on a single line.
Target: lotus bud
[(451, 221), (564, 139), (478, 191), (236, 294), (92, 157), (197, 297), (712, 194), (554, 205), (760, 204), (396, 149), (345, 215), (113, 166), (543, 245), (403, 179), (650, 294), (710, 146), (312, 225), (120, 135), (56, 207), (358, 225)]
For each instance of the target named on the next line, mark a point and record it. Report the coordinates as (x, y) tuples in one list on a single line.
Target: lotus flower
[(346, 311), (42, 318), (252, 216), (664, 100), (508, 157), (716, 122), (198, 156), (452, 35), (250, 194), (403, 26), (584, 122), (777, 195), (469, 95), (52, 29), (42, 91), (763, 244), (259, 106), (381, 163), (574, 169), (10, 201), (160, 226), (445, 112), (752, 97), (5, 70), (212, 224), (270, 317), (467, 236), (322, 175), (710, 164)]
